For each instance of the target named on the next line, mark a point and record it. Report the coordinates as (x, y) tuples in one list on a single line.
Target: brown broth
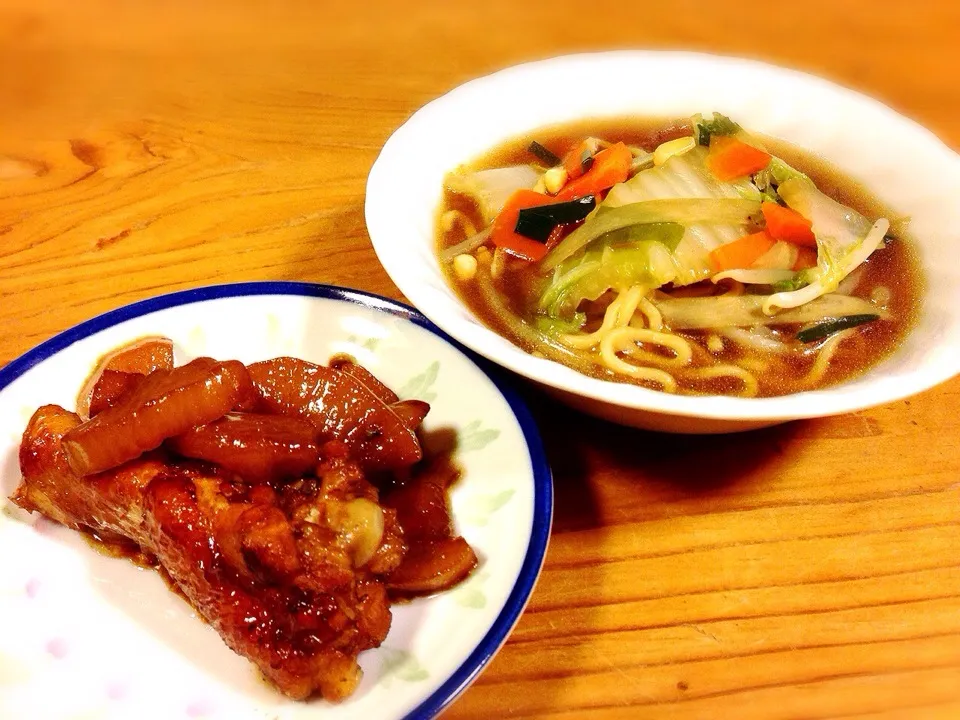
[(896, 266)]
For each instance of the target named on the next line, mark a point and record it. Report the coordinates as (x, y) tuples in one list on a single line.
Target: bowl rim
[(487, 342), (542, 505)]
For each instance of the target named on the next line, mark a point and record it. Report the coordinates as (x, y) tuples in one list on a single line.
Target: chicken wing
[(291, 579)]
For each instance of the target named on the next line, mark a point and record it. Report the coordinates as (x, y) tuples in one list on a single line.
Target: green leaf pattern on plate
[(370, 343), (401, 664), (470, 594), (481, 507), (471, 437), (420, 386)]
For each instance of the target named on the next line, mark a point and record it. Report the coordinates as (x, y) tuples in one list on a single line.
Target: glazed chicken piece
[(247, 487), (292, 580)]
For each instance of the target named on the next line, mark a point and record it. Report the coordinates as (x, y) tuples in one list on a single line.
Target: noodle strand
[(468, 245), (625, 339), (821, 363), (651, 314), (610, 359), (750, 385), (628, 307), (585, 342)]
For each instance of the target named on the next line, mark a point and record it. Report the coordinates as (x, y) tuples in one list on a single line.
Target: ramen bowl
[(899, 162)]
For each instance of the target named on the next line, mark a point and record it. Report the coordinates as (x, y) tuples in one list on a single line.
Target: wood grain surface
[(805, 571)]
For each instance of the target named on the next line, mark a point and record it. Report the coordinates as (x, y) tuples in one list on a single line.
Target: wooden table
[(806, 571)]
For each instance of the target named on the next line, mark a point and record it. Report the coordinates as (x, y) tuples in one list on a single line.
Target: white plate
[(91, 637), (896, 159)]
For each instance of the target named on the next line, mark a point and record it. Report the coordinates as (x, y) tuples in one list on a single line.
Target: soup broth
[(506, 291)]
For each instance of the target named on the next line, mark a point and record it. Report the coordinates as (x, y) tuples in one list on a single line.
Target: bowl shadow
[(590, 458)]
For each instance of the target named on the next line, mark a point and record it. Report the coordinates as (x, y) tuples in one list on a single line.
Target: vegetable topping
[(786, 224), (609, 167), (538, 222), (543, 154), (730, 158), (705, 231), (829, 327)]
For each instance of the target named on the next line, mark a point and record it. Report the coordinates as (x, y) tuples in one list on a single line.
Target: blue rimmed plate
[(113, 640)]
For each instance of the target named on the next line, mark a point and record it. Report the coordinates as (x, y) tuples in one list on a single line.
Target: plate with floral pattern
[(91, 637)]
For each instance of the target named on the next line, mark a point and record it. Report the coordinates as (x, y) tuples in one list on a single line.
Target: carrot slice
[(730, 158), (573, 161), (786, 224), (610, 166), (504, 232), (807, 258), (741, 253)]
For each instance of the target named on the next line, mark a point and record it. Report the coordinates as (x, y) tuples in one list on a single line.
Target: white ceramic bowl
[(90, 636), (899, 161)]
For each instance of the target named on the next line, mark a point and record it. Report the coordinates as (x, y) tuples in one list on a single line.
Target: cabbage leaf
[(490, 189), (845, 239)]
